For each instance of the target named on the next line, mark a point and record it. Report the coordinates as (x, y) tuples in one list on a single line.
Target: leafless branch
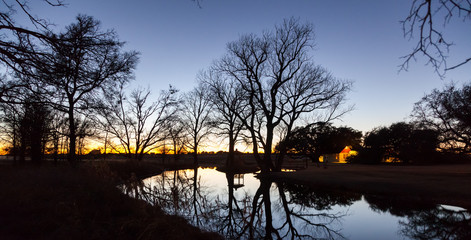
[(431, 43)]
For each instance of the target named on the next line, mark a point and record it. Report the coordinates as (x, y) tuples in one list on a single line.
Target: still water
[(241, 206)]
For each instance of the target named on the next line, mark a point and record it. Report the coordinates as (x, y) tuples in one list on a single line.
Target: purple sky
[(357, 40)]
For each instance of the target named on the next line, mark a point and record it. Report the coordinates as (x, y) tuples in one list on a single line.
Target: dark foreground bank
[(58, 202)]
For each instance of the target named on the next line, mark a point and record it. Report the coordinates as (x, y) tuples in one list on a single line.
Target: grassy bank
[(444, 184), (58, 202)]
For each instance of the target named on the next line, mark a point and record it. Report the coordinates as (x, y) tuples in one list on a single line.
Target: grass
[(58, 202)]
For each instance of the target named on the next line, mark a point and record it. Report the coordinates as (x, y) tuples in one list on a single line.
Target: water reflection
[(240, 206), (425, 220), (438, 223)]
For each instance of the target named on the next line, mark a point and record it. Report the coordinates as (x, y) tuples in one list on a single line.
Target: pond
[(241, 206)]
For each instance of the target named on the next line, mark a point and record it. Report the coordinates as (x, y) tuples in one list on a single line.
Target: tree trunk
[(195, 152), (280, 157), (22, 149), (56, 147), (195, 156), (72, 137), (15, 146), (36, 153), (36, 141), (230, 157), (267, 161), (175, 151), (195, 192), (230, 201), (265, 185)]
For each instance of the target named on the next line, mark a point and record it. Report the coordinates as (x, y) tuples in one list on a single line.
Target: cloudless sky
[(360, 41)]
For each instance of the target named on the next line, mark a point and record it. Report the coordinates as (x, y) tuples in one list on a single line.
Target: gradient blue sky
[(357, 40)]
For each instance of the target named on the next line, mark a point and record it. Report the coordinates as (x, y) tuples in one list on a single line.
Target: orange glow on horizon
[(93, 146)]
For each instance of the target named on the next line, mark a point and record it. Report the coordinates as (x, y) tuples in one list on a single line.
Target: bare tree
[(26, 126), (280, 83), (10, 128), (195, 115), (56, 136), (176, 136), (85, 129), (313, 89), (16, 42), (86, 61), (227, 98), (137, 125), (20, 47), (432, 43)]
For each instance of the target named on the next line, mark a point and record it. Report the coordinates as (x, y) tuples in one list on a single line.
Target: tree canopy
[(448, 112), (279, 83), (320, 138), (400, 142)]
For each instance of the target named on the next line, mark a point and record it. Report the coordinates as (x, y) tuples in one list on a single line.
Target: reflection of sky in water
[(363, 223), (359, 220)]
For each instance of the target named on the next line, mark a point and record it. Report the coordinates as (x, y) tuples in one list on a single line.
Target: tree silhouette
[(196, 118), (401, 141), (437, 223), (176, 134), (320, 138), (280, 83), (26, 126), (19, 45), (432, 43), (448, 112), (137, 125), (86, 60), (227, 98)]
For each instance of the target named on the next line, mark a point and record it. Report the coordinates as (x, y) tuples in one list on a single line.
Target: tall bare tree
[(137, 125), (425, 21), (280, 83), (85, 61), (227, 98), (195, 115)]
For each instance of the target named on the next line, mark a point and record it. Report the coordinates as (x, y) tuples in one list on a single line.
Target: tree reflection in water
[(438, 223), (276, 210), (425, 220), (273, 211)]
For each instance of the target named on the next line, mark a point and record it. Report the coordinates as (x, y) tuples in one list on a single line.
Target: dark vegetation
[(320, 138), (57, 202), (400, 142), (405, 143)]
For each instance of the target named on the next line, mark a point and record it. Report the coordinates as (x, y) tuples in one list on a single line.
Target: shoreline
[(60, 202), (440, 184)]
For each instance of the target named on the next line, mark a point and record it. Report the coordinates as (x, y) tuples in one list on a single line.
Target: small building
[(340, 157)]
